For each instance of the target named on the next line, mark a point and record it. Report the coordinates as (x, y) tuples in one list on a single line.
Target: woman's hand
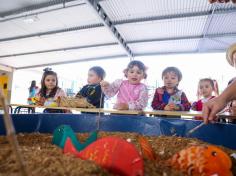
[(211, 108)]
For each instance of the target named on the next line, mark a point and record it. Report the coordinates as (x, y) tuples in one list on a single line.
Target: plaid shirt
[(159, 102)]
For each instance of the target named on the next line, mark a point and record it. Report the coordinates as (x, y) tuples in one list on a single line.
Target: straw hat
[(229, 54)]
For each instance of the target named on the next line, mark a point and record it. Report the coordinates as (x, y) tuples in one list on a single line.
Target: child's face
[(135, 75), (93, 78), (50, 82), (205, 89), (170, 80)]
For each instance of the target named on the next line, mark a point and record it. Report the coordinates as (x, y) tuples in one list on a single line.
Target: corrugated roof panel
[(98, 52), (227, 40), (191, 26), (225, 23), (122, 10), (80, 38), (16, 4), (63, 40), (36, 59), (62, 56), (165, 47), (217, 44), (23, 45), (66, 18)]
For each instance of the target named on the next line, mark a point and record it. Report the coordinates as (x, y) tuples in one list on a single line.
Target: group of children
[(131, 93)]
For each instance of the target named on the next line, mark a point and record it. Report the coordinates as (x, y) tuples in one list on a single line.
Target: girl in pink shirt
[(131, 93)]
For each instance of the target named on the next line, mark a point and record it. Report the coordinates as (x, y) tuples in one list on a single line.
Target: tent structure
[(44, 32)]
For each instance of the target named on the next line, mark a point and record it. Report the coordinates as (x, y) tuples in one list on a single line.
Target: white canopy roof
[(43, 32)]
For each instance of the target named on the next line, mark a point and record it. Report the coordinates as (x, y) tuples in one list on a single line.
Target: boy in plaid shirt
[(169, 97)]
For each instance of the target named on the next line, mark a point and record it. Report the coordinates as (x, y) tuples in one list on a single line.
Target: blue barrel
[(219, 134)]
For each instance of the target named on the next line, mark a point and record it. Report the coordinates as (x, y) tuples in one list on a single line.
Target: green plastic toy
[(63, 132)]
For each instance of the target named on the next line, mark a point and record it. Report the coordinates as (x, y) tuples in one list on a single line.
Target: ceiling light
[(30, 19)]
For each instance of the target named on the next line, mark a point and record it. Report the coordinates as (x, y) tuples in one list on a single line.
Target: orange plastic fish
[(204, 160), (146, 148), (112, 153)]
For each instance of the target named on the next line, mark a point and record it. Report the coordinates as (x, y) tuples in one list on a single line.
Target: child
[(92, 91), (132, 94), (49, 92), (212, 107), (169, 97), (33, 90), (206, 87)]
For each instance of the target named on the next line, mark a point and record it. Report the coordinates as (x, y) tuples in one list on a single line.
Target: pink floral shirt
[(135, 95)]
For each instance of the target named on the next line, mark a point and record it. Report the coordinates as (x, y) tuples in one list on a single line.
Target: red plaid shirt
[(159, 104)]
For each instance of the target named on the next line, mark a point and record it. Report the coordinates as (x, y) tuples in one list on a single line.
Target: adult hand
[(211, 108)]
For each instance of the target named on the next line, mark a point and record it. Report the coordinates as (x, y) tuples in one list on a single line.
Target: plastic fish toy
[(64, 132), (112, 153), (202, 160)]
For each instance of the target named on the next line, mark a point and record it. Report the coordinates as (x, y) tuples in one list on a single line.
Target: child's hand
[(174, 107), (122, 106), (168, 108), (40, 101), (104, 84), (171, 107)]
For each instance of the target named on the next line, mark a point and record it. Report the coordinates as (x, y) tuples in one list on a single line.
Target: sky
[(192, 66)]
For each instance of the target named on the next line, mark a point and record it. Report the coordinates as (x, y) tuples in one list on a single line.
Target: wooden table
[(114, 111), (95, 110)]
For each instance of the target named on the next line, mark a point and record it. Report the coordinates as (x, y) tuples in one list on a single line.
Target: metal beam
[(52, 32), (163, 39), (175, 16), (59, 49), (98, 10), (177, 53), (120, 56), (74, 61), (34, 7), (209, 36), (207, 26)]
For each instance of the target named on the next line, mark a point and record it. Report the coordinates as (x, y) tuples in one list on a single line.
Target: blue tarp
[(220, 134)]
